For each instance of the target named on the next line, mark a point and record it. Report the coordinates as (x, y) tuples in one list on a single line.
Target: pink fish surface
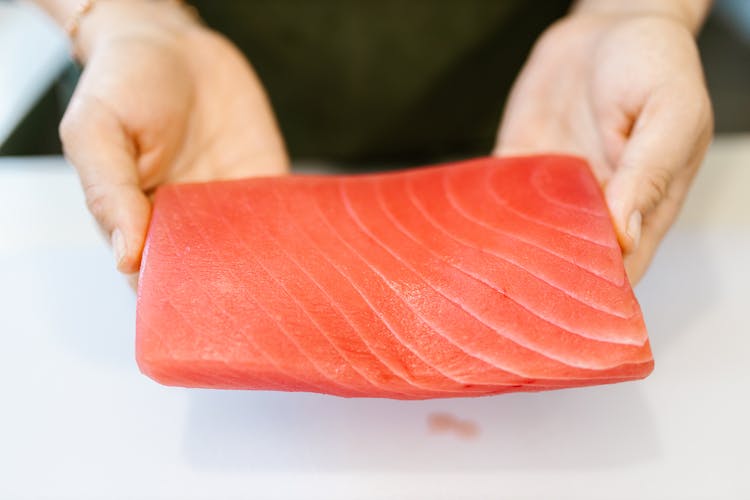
[(473, 278)]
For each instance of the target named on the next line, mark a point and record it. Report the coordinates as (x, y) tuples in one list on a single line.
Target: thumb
[(96, 144), (658, 162)]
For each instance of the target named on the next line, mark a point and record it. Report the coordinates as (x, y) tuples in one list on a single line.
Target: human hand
[(627, 92), (162, 99)]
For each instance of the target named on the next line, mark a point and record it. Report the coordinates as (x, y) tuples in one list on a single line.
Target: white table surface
[(78, 421)]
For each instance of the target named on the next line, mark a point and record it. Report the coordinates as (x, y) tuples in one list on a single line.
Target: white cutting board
[(78, 421)]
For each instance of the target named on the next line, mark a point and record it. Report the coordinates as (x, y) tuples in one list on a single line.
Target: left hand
[(625, 91)]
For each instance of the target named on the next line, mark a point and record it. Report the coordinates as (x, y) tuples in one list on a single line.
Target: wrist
[(689, 13), (108, 20)]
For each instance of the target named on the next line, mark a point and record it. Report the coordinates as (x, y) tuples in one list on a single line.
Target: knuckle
[(96, 201), (71, 124), (67, 128), (83, 115), (658, 183)]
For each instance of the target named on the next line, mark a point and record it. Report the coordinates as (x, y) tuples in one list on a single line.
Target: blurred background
[(37, 78)]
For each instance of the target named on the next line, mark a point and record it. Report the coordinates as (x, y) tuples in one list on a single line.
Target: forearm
[(691, 13)]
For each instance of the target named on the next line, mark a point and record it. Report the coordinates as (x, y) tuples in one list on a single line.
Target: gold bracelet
[(72, 26)]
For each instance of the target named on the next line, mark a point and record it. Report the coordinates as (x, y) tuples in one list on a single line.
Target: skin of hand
[(627, 92), (161, 100)]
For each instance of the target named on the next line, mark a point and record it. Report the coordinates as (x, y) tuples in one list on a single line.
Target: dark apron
[(386, 80)]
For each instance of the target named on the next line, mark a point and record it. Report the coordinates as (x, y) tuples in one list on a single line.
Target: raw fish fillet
[(466, 279)]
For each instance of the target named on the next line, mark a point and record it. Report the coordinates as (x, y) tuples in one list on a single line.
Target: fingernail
[(634, 228), (118, 245)]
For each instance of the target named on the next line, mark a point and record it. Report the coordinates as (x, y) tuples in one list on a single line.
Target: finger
[(98, 147), (659, 160), (636, 263), (653, 230), (132, 280)]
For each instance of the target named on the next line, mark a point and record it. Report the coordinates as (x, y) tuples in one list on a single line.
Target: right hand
[(162, 99)]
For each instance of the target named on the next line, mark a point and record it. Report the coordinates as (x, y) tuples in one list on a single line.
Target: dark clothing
[(385, 80)]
